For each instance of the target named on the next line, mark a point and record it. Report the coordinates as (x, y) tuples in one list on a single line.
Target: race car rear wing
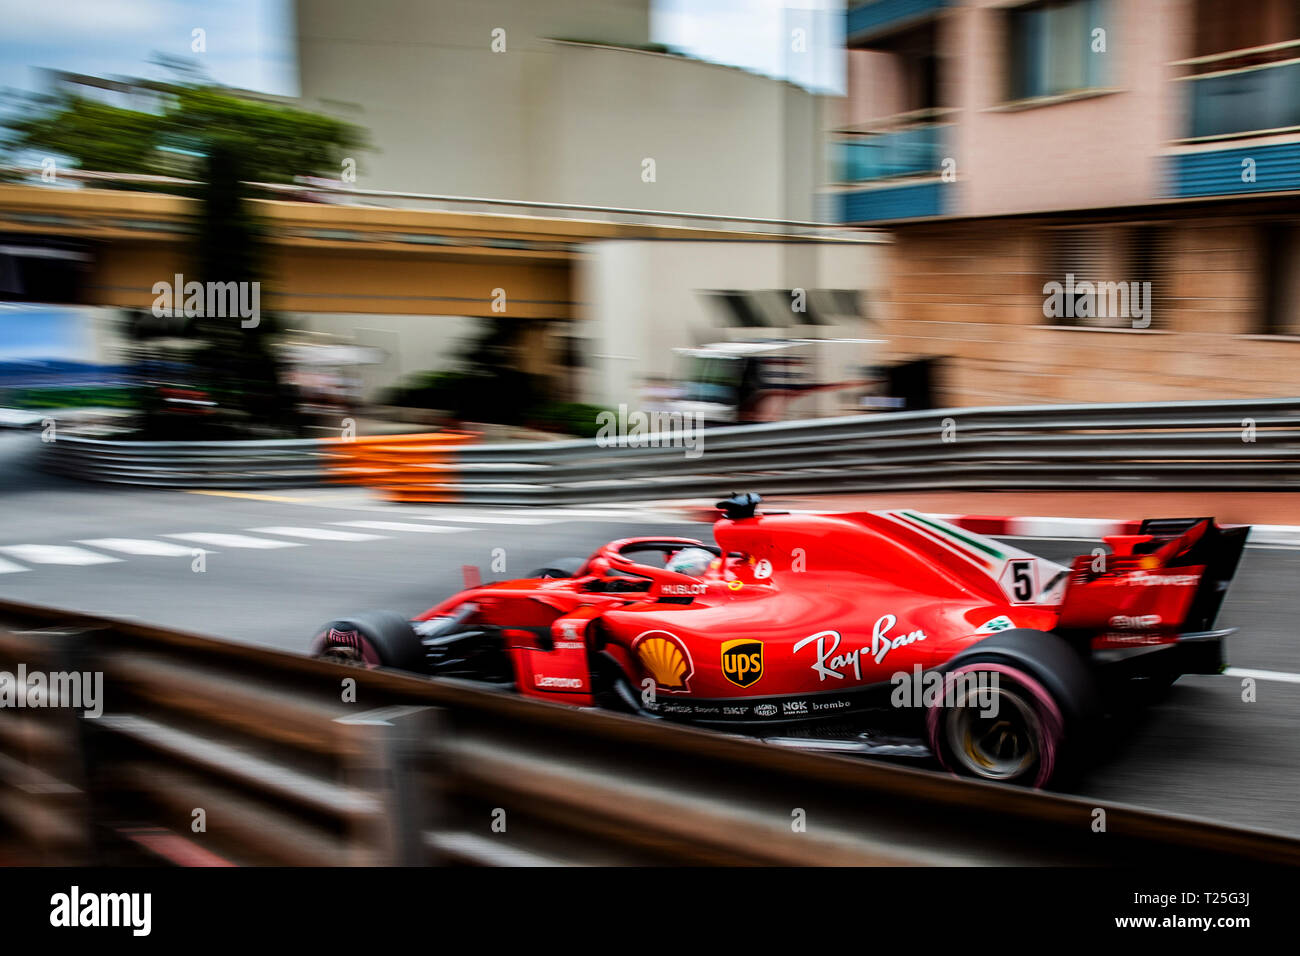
[(1217, 549), (1172, 576)]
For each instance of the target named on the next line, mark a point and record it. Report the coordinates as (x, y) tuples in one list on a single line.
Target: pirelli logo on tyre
[(742, 661)]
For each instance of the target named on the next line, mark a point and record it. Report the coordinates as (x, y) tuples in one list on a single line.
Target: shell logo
[(666, 659)]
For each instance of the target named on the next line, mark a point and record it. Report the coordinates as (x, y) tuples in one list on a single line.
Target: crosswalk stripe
[(8, 567), (400, 526), (221, 540), (146, 547), (56, 554), (320, 534)]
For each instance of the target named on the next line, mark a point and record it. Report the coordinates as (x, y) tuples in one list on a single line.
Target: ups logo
[(742, 661)]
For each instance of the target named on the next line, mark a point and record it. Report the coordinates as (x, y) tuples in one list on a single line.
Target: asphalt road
[(284, 562)]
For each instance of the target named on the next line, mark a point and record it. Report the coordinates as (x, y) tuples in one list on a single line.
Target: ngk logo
[(1139, 623)]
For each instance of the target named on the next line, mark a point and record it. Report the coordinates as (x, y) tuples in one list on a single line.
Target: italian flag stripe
[(952, 532)]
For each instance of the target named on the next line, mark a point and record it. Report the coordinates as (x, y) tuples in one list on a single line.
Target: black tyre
[(1017, 708), (372, 639), (560, 568)]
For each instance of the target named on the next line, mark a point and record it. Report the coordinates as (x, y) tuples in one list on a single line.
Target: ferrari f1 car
[(890, 632)]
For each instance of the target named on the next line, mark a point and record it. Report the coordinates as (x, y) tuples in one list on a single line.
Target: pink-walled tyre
[(1015, 709), (373, 639)]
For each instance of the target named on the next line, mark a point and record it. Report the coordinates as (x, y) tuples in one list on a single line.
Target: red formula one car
[(890, 633)]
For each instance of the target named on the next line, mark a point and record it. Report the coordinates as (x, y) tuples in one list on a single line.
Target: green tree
[(224, 141), (275, 142)]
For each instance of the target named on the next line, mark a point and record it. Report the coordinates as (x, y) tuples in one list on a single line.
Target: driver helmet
[(692, 561)]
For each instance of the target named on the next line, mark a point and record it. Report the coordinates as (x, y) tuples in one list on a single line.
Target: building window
[(1105, 276), (1280, 298), (1051, 48)]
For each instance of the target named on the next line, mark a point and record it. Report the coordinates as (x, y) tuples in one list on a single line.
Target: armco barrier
[(1235, 445), (211, 753)]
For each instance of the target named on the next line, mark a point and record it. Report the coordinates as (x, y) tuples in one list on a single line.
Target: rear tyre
[(560, 568), (373, 639), (1016, 709)]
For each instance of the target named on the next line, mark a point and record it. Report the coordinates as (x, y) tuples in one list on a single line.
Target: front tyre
[(369, 640)]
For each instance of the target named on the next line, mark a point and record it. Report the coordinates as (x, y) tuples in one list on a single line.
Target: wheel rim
[(999, 747), (338, 654), (348, 647)]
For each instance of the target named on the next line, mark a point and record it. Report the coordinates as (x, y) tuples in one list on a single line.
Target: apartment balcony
[(1252, 100), (1243, 125), (888, 175), (877, 18), (906, 152), (887, 202)]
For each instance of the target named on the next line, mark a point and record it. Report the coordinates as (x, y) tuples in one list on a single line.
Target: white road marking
[(320, 534), (233, 540), (56, 554), (477, 518), (1282, 676), (1275, 534), (400, 526), (8, 567), (140, 546)]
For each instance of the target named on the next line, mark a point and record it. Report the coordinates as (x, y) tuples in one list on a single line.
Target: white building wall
[(642, 299), (555, 121)]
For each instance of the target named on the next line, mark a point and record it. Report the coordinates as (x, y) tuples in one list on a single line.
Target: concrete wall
[(411, 343), (722, 140), (643, 299), (445, 113), (555, 121), (973, 293)]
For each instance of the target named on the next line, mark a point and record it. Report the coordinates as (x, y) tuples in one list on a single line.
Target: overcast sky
[(250, 44), (758, 35)]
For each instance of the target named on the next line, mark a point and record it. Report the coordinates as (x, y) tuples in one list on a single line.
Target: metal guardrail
[(292, 764), (1250, 444), (218, 464)]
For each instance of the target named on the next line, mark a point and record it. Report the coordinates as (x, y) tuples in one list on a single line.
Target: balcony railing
[(907, 152), (875, 17), (907, 200), (1254, 99)]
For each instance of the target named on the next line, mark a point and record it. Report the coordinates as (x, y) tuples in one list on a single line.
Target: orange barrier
[(402, 467)]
